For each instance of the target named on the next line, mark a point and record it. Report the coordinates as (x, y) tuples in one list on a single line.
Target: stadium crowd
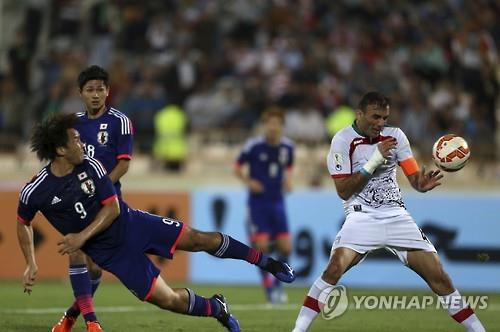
[(224, 62)]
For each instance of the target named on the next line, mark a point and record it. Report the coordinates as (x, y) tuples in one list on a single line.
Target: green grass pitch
[(120, 311)]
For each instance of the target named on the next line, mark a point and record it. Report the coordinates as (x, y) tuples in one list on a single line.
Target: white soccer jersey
[(349, 151)]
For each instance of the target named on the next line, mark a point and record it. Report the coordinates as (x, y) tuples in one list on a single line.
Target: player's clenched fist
[(386, 146)]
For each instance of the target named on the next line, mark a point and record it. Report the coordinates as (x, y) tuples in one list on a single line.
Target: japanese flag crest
[(102, 137), (88, 187)]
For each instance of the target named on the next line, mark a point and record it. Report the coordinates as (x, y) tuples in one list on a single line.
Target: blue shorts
[(146, 234), (267, 220)]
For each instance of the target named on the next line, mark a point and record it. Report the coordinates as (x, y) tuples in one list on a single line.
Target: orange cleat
[(65, 324), (94, 326)]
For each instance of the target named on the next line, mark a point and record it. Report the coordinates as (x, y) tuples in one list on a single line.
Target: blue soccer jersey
[(267, 164), (108, 138), (70, 203)]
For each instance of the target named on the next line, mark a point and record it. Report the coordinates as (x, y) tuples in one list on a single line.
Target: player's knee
[(203, 241), (77, 257)]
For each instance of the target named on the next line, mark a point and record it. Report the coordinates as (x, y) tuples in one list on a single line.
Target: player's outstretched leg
[(83, 289), (186, 301), (340, 261), (429, 267), (223, 246)]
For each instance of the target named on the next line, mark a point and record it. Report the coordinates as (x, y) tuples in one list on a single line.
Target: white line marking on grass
[(234, 307)]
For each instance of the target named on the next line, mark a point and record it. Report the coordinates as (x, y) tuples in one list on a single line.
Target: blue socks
[(82, 289), (231, 248), (201, 306)]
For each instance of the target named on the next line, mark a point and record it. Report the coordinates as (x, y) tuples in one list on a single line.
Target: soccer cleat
[(225, 317), (65, 324), (281, 270), (94, 326), (278, 296)]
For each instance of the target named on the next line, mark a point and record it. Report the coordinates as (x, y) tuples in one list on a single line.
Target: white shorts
[(397, 233)]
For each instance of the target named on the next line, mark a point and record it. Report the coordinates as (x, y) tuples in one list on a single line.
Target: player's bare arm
[(252, 184), (25, 238), (72, 242), (424, 181), (287, 182), (348, 186), (120, 169)]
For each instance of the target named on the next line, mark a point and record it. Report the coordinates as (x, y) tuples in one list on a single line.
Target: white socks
[(461, 312), (311, 306)]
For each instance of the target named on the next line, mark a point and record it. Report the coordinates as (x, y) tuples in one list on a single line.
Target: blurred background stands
[(222, 63)]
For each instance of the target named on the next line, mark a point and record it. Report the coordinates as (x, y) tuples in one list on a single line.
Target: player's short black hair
[(273, 112), (93, 72), (373, 98), (50, 134)]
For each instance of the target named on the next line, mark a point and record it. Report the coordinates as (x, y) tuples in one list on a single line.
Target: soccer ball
[(450, 153)]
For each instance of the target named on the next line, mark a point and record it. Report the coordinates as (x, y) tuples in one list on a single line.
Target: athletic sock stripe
[(224, 246), (78, 271), (209, 308), (463, 314), (312, 304), (254, 256), (85, 304), (191, 300)]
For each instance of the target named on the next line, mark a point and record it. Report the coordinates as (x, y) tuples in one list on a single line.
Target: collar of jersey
[(370, 139), (357, 130)]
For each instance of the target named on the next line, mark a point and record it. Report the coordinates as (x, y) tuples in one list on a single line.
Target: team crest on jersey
[(263, 156), (283, 156), (82, 176), (102, 137), (103, 126), (88, 187)]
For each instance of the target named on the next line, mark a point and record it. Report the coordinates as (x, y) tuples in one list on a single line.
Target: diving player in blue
[(108, 137), (77, 197), (270, 161)]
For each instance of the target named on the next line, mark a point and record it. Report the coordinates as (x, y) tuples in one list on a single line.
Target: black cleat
[(225, 317), (281, 270)]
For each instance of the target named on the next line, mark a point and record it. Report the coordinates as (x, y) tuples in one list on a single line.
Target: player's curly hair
[(50, 134), (373, 98), (93, 72)]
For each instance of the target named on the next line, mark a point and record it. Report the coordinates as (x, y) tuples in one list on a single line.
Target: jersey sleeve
[(105, 189), (27, 207), (338, 159), (125, 141), (244, 156), (403, 149), (404, 154)]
